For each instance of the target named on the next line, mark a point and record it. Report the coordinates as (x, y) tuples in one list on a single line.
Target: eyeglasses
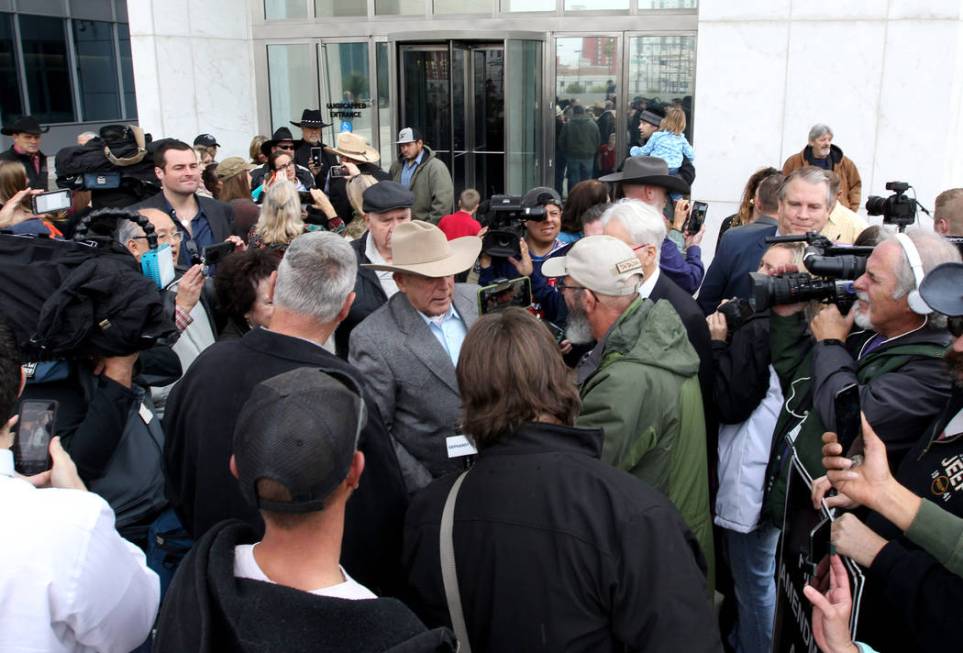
[(285, 147), (955, 326), (175, 237), (561, 285), (289, 164)]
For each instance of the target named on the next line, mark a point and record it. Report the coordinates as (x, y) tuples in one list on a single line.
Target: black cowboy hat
[(24, 125), (280, 134), (311, 118), (649, 170)]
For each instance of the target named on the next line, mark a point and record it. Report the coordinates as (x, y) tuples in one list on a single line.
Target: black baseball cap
[(207, 140), (299, 429), (540, 196), (386, 196)]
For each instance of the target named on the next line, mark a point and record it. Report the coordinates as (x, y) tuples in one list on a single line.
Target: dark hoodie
[(208, 609)]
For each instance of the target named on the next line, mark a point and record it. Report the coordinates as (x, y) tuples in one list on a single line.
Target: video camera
[(897, 208), (504, 218), (831, 271)]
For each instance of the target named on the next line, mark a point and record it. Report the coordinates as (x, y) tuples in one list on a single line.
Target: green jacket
[(580, 138), (645, 396), (940, 533), (431, 185)]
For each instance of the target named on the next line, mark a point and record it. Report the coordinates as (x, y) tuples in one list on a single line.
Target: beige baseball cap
[(602, 264)]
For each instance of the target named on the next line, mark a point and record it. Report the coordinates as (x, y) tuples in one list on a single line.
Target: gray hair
[(127, 230), (818, 131), (316, 275), (644, 224), (933, 251), (810, 175)]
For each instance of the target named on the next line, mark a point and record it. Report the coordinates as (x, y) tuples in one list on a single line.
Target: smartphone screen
[(848, 424), (316, 155), (31, 445), (498, 296), (57, 200), (697, 217)]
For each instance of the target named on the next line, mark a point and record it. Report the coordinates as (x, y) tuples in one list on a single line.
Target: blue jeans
[(752, 557), (579, 170)]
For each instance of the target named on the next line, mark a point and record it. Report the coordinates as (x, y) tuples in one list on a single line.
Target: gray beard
[(578, 331)]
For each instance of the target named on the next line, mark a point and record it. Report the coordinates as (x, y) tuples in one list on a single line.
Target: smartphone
[(55, 200), (31, 444), (849, 427), (501, 295), (316, 156), (214, 254), (338, 171), (697, 217), (819, 545)]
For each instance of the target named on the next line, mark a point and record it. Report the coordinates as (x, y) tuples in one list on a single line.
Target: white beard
[(578, 331), (862, 318)]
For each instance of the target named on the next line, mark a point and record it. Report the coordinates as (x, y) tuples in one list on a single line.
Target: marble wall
[(887, 77), (193, 70)]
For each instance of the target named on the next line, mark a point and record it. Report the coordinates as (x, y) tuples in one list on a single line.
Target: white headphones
[(916, 302)]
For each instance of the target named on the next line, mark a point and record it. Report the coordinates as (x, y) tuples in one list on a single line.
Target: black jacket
[(369, 296), (208, 609), (34, 179), (303, 174), (737, 254), (219, 215), (302, 157), (199, 421), (557, 551), (741, 372), (337, 190), (911, 602)]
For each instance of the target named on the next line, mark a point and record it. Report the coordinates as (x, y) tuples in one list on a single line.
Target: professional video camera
[(897, 208), (117, 167), (504, 218), (838, 266)]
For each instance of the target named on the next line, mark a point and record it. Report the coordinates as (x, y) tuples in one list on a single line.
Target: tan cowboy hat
[(354, 147), (420, 247)]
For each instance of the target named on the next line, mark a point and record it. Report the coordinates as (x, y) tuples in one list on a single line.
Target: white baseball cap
[(602, 264), (409, 135)]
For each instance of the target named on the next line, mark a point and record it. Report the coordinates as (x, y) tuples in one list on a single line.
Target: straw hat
[(354, 147), (421, 248)]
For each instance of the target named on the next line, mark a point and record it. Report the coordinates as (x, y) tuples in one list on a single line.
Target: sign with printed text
[(796, 568)]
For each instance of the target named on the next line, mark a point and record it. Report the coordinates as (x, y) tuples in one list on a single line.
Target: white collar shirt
[(70, 582), (647, 286), (449, 329), (385, 277)]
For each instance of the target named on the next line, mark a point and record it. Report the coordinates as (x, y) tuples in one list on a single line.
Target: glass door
[(523, 119)]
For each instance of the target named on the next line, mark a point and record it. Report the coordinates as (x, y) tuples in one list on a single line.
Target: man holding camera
[(70, 582), (895, 357), (540, 243), (407, 350)]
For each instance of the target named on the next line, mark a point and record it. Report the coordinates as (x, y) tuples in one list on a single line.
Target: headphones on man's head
[(916, 302)]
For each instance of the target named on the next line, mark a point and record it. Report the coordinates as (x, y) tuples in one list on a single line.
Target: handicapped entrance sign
[(346, 125)]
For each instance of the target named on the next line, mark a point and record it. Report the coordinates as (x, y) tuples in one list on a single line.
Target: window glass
[(399, 7), (528, 5), (293, 82), (96, 69), (462, 6), (282, 9), (127, 70), (585, 94), (523, 118), (386, 145), (661, 72), (334, 8), (45, 67), (348, 99), (596, 5), (668, 4), (10, 105)]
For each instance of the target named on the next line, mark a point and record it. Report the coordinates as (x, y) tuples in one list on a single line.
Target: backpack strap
[(135, 158), (895, 357), (448, 572)]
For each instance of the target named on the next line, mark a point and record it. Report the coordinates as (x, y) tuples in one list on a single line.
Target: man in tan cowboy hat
[(357, 158), (407, 349)]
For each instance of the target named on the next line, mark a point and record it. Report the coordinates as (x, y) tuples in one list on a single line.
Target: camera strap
[(446, 545)]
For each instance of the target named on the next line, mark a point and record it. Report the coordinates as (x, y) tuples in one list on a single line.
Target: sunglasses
[(285, 147), (955, 325)]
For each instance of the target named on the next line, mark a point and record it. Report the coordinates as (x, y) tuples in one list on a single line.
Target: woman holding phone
[(16, 207), (282, 167)]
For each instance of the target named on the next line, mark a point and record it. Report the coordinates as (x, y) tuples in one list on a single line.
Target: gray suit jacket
[(413, 381)]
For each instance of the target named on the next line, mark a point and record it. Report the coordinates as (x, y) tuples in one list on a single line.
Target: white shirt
[(449, 330), (386, 277), (647, 286), (245, 566), (70, 582)]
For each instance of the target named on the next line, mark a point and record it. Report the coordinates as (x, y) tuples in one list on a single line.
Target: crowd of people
[(346, 449)]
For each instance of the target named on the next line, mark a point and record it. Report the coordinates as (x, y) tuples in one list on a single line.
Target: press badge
[(460, 445), (145, 414)]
